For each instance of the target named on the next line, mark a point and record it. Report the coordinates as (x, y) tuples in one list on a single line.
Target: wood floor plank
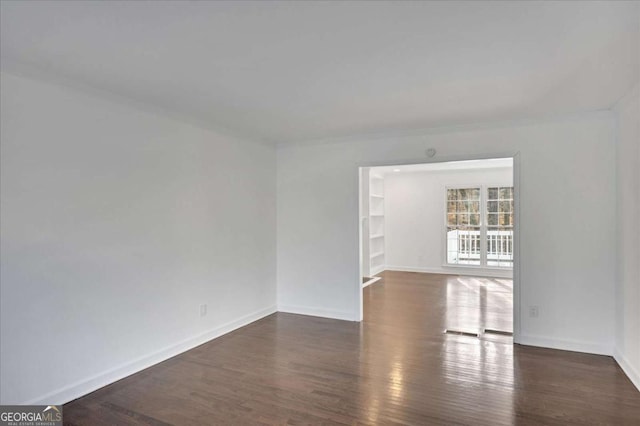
[(396, 367)]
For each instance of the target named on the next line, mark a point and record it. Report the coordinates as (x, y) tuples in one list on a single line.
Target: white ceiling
[(294, 71)]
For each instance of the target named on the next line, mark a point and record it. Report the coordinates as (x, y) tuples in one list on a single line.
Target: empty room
[(441, 235), (319, 212)]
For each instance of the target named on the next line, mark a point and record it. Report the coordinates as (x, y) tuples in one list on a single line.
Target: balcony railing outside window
[(479, 224), (463, 248)]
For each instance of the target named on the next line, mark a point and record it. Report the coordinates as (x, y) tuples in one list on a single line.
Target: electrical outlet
[(533, 311), (203, 310)]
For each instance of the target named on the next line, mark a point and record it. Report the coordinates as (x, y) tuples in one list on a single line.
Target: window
[(500, 226), (463, 226), (479, 226)]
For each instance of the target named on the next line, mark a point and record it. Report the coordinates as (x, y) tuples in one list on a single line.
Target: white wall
[(628, 271), (116, 225), (566, 166), (415, 219)]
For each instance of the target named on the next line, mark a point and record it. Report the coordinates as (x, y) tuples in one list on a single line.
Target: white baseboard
[(371, 281), (565, 345), (475, 272), (628, 369), (83, 387), (377, 270), (316, 312)]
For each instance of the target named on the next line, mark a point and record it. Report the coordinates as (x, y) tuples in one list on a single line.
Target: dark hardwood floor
[(396, 367)]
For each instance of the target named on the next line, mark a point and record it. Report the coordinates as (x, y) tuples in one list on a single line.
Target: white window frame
[(483, 224), (485, 193)]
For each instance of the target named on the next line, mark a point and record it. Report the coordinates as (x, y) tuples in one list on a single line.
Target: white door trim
[(517, 290)]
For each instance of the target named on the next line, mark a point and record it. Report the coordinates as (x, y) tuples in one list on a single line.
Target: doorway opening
[(448, 225)]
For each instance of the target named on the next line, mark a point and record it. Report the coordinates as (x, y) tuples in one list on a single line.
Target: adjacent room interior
[(272, 212), (446, 225)]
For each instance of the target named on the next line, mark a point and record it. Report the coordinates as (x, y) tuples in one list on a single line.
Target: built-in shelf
[(374, 205)]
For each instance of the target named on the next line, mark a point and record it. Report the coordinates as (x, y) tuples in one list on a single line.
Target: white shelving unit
[(376, 224)]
